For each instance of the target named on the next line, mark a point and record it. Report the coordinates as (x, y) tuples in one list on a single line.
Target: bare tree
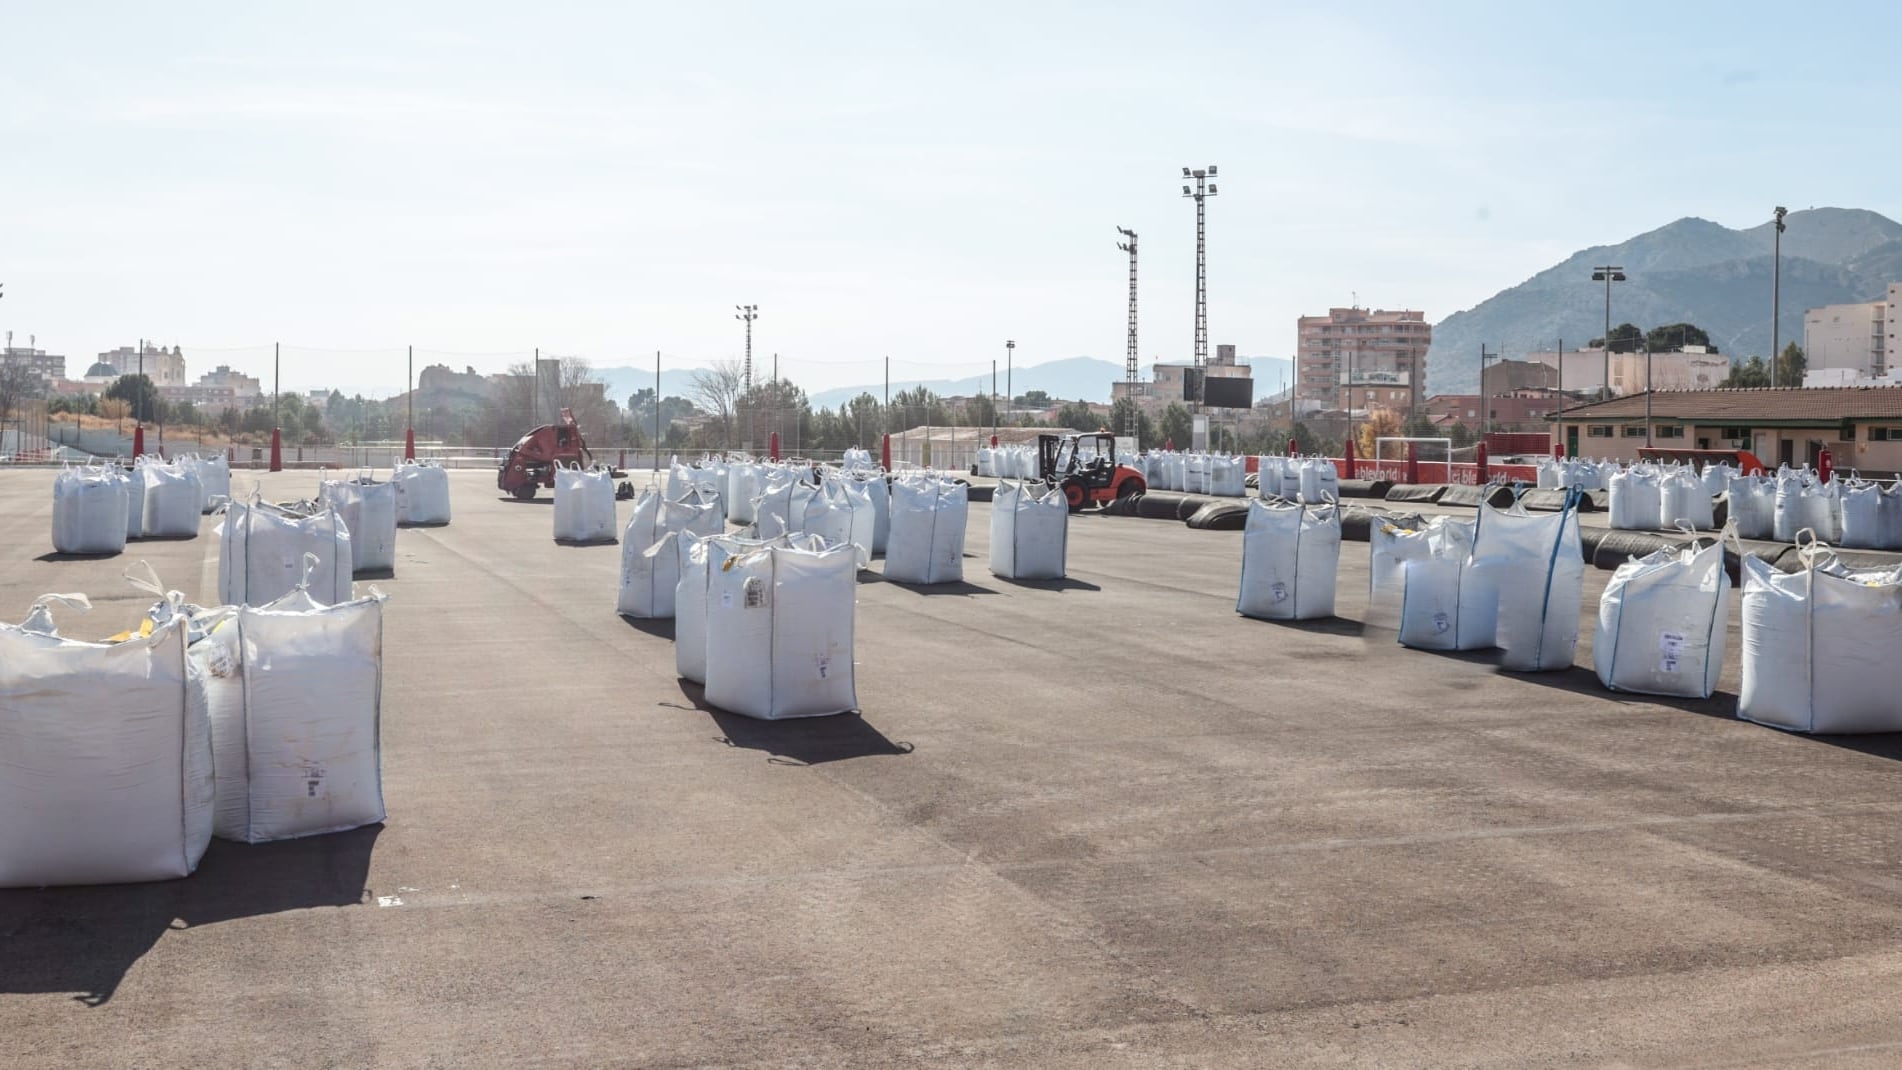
[(717, 389), (514, 407)]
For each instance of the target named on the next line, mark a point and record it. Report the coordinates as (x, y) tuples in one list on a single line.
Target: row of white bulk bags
[(90, 508), (422, 492), (1819, 647), (173, 500), (1662, 623), (1030, 531), (368, 510), (1446, 603), (784, 618), (265, 552), (584, 505), (1872, 515), (650, 552), (1537, 567), (1805, 502), (1683, 501), (927, 537), (1290, 557), (1753, 506), (108, 776), (294, 690), (1278, 477)]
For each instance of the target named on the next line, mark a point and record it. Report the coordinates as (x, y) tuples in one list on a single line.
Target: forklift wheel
[(525, 492), (1074, 494)]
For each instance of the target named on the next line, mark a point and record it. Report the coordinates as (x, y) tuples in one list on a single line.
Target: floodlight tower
[(748, 313), (1203, 189), (1131, 421), (1607, 274)]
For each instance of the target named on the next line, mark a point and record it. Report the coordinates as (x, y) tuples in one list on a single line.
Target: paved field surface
[(1099, 823)]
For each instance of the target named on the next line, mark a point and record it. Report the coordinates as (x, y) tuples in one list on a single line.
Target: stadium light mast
[(1202, 190), (1607, 275), (747, 314), (1132, 421)]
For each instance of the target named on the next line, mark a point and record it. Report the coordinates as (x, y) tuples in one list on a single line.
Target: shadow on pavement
[(960, 587), (83, 940), (798, 740), (660, 627), (1067, 583)]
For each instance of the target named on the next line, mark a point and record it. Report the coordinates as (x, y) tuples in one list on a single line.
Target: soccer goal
[(1435, 456)]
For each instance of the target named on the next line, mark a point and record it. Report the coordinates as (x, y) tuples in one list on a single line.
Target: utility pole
[(1133, 420), (1647, 390), (1776, 294), (1010, 359), (1607, 275), (1203, 189), (748, 313), (1485, 396)]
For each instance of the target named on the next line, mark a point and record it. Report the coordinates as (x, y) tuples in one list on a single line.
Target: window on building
[(1598, 431), (1885, 434), (1669, 431), (1633, 432)]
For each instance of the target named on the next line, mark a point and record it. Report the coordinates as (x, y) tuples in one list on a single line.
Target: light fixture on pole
[(1776, 293), (1607, 275), (747, 314), (1202, 190)]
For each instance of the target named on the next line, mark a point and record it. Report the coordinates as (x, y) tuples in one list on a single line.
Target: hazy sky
[(882, 178)]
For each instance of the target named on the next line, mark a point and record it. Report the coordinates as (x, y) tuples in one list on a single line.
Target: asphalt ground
[(1097, 823)]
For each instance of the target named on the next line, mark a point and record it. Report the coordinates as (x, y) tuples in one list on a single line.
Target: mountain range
[(1689, 271), (1070, 379)]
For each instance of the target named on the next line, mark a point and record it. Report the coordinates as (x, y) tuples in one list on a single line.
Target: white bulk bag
[(1228, 477), (368, 509), (650, 559), (1803, 502), (783, 618), (1872, 515), (1753, 505), (1636, 500), (840, 511), (1716, 478), (264, 553), (879, 492), (89, 511), (986, 461), (1445, 603), (105, 757), (1290, 485), (584, 505), (1390, 546), (700, 557), (743, 485), (1537, 566), (773, 511), (927, 537), (422, 493), (1319, 481), (171, 500), (295, 691), (1548, 473), (1662, 622), (1819, 648), (134, 481), (1030, 531), (1290, 557), (1682, 501), (1195, 473), (214, 474)]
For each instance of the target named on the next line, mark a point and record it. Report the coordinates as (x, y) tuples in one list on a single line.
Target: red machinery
[(532, 461), (1084, 466)]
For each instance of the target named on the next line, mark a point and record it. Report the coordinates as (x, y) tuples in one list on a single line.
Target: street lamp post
[(747, 314), (1776, 293), (1647, 390), (1607, 275), (1485, 396), (1010, 355), (1202, 190)]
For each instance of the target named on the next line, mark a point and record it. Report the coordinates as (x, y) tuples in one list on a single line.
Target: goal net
[(1436, 458)]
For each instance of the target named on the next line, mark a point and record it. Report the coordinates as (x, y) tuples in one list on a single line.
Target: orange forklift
[(1085, 467)]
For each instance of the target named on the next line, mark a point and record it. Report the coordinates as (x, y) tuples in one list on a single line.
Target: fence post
[(1413, 462), (1347, 455), (1484, 476)]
